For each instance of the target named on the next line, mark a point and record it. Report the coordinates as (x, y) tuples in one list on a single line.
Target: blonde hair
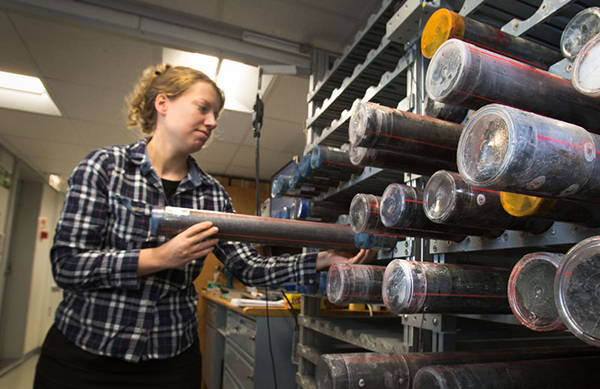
[(167, 79)]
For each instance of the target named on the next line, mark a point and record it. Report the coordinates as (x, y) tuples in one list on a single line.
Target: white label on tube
[(177, 211)]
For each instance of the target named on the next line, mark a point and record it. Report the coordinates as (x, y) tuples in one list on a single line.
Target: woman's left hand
[(329, 257)]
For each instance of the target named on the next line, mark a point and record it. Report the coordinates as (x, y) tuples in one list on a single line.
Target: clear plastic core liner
[(451, 113), (391, 160), (384, 128), (376, 241), (398, 371), (449, 199), (412, 287), (507, 149), (531, 291), (586, 78), (348, 283), (545, 373), (401, 206), (463, 74), (364, 213), (580, 30), (577, 290), (325, 211), (445, 24), (325, 157), (170, 221)]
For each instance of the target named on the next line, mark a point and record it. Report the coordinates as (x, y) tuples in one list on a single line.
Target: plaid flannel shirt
[(107, 309)]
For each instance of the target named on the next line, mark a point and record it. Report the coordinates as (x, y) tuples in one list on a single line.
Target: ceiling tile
[(14, 57), (77, 101), (96, 135), (54, 150), (210, 9), (217, 152), (270, 161), (233, 126), (280, 135), (286, 99), (292, 21), (80, 54), (215, 169), (35, 126), (358, 10), (247, 172)]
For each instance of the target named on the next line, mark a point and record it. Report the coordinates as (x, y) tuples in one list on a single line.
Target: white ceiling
[(88, 67)]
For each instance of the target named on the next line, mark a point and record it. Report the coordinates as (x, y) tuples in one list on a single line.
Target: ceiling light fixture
[(238, 80), (207, 64), (21, 83), (25, 93)]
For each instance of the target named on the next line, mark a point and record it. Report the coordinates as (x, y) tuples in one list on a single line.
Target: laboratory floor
[(20, 376)]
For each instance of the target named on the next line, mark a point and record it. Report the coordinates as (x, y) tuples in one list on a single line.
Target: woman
[(128, 317)]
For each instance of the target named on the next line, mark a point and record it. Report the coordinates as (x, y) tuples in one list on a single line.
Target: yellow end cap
[(522, 205), (441, 26)]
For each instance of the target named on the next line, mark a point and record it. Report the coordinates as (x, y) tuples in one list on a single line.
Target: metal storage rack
[(396, 72)]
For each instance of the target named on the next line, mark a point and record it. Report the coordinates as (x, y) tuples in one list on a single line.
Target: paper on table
[(257, 303)]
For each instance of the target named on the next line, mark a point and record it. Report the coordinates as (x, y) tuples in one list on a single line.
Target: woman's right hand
[(185, 247)]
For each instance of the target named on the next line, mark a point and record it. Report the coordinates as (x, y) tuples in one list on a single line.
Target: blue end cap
[(158, 215), (364, 241), (302, 209), (305, 169), (294, 178), (315, 157)]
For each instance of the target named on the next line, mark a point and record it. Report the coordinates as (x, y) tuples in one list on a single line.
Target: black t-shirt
[(170, 187)]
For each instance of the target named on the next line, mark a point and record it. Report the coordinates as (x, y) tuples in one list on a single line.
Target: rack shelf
[(559, 235), (539, 21), (372, 180), (377, 62), (389, 91), (355, 53), (374, 334)]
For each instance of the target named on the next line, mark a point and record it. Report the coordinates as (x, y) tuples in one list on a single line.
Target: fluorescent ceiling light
[(207, 64), (25, 93), (238, 80), (240, 84), (21, 83)]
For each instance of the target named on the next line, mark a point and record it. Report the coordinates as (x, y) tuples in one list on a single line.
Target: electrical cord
[(296, 329), (269, 336), (291, 308)]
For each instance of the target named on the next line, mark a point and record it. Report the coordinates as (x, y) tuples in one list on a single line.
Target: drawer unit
[(238, 366), (209, 350), (211, 313), (240, 357), (242, 331)]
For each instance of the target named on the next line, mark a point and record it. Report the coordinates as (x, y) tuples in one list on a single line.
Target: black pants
[(63, 365)]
